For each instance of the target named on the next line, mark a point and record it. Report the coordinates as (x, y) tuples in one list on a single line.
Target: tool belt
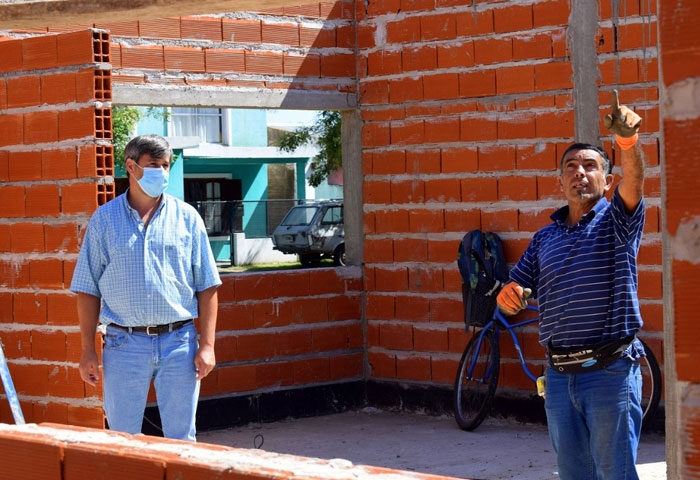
[(586, 359)]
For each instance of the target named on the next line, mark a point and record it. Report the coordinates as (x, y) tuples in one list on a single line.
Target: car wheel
[(309, 259), (339, 255)]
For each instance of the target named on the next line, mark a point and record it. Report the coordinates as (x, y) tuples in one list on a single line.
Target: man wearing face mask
[(146, 272)]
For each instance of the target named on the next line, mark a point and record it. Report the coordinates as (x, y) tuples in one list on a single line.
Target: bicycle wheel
[(477, 379), (651, 385)]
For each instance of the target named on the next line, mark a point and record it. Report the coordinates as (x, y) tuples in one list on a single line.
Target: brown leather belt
[(153, 330)]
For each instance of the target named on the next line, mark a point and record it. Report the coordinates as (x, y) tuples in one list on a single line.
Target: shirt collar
[(559, 216)]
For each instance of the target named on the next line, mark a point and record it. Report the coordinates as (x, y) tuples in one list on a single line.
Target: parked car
[(313, 230)]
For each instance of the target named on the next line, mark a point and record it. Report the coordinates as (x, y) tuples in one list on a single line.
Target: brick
[(242, 31), (26, 237), (60, 309), (531, 47), (42, 201), (408, 132), (3, 94), (536, 157), (39, 53), (497, 158), (29, 308), (23, 91), (438, 27), (160, 28), (406, 192), (12, 128), (518, 126), (184, 59), (382, 365), (443, 190), (281, 33), (413, 368), (442, 86), (46, 273), (265, 63), (58, 88), (202, 28), (93, 460), (11, 56), (12, 200), (402, 90), (403, 31), (311, 370), (556, 124), (515, 18), (77, 123), (519, 189), (419, 58), (220, 60), (410, 250), (342, 36), (553, 76), (142, 57), (488, 51), (475, 129), (479, 190), (75, 48), (24, 166), (453, 55), (471, 24), (426, 280), (41, 127), (80, 198), (548, 13), (41, 456), (477, 83), (520, 79), (58, 164), (302, 66), (338, 65)]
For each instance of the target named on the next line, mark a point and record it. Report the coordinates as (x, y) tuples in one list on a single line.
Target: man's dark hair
[(153, 145), (607, 164)]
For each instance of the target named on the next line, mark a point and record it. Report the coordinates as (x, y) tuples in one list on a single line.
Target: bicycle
[(477, 375)]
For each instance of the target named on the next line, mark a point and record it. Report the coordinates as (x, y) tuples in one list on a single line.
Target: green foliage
[(124, 120), (326, 134)]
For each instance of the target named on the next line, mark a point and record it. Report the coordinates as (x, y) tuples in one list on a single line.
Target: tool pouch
[(586, 359)]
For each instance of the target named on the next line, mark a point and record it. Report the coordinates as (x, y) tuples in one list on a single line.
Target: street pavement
[(498, 449)]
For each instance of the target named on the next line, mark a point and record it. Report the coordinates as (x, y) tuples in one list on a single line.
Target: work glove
[(623, 122), (512, 298)]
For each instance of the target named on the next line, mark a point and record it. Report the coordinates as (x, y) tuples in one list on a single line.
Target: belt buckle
[(148, 330)]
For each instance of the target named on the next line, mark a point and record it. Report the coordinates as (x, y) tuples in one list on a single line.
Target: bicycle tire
[(474, 393), (651, 385)]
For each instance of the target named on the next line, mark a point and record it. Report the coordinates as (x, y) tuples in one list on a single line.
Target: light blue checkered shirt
[(145, 276)]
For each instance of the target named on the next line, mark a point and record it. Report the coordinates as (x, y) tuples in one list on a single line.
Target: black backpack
[(482, 265)]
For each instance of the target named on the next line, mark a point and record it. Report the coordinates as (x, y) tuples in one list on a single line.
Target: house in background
[(227, 166)]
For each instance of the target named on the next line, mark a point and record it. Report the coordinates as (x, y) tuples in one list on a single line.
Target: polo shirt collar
[(559, 216)]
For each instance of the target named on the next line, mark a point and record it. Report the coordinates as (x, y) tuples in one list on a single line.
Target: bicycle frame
[(498, 322)]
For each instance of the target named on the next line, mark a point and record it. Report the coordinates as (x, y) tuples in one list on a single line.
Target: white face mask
[(154, 180)]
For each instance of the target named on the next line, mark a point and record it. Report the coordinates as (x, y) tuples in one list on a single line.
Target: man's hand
[(512, 298), (89, 368), (204, 361), (621, 121)]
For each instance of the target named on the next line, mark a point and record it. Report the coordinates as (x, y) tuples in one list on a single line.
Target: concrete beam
[(43, 13)]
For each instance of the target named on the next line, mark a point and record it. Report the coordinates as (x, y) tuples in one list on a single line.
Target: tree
[(124, 120), (325, 133)]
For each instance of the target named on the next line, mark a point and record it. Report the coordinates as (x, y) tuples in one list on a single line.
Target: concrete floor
[(498, 449)]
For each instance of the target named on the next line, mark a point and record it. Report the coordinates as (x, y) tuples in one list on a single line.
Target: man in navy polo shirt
[(582, 269)]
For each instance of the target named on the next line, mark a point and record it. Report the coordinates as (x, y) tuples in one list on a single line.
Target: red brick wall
[(679, 56), (52, 148), (466, 109)]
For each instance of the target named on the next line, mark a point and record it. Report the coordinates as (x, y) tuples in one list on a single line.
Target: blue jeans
[(595, 420), (130, 361)]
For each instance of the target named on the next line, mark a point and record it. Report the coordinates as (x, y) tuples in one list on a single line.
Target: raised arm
[(625, 123)]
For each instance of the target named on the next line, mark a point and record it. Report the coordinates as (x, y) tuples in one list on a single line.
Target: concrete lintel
[(152, 95)]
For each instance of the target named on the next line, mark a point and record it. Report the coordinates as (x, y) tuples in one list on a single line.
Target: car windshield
[(299, 216)]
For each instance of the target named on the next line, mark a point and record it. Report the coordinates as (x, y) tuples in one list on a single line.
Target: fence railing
[(257, 219)]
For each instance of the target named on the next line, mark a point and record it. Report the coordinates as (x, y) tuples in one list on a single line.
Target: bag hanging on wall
[(482, 265)]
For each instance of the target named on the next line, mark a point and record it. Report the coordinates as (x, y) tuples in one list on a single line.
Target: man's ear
[(609, 178), (560, 183)]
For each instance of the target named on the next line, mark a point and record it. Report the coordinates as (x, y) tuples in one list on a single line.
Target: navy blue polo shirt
[(585, 276)]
